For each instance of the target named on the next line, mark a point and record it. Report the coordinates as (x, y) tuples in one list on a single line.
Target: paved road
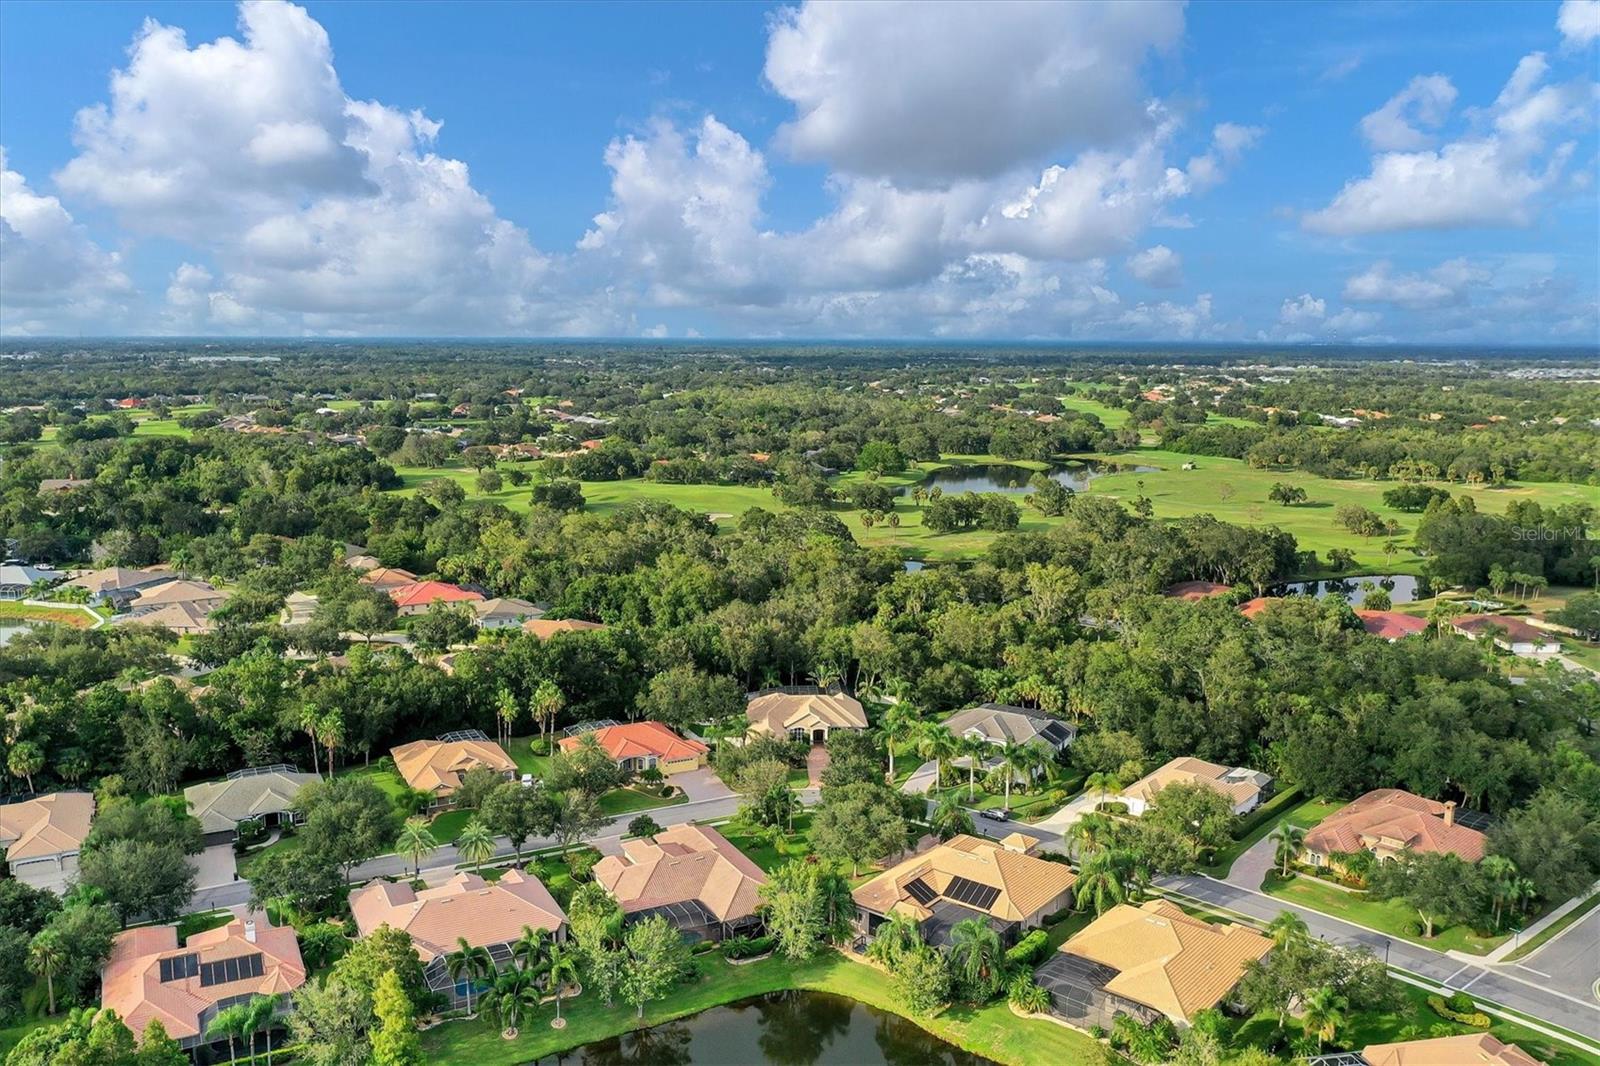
[(1499, 984), (232, 895), (1570, 963)]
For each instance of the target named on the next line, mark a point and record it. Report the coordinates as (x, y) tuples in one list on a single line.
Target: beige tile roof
[(385, 577), (545, 628), (437, 765), (192, 592), (178, 617), (119, 577), (1166, 959), (506, 607), (1394, 819), (220, 805), (1027, 884), (485, 912), (776, 713), (1187, 771), (131, 980), (683, 863), (1472, 1049), (52, 824)]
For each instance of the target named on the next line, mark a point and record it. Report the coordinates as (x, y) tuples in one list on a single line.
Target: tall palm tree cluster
[(539, 965), (906, 731)]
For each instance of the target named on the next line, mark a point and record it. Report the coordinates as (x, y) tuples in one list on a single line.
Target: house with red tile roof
[(1391, 625), (1196, 590), (417, 597), (487, 914), (151, 977), (1388, 822), (1253, 607), (639, 746)]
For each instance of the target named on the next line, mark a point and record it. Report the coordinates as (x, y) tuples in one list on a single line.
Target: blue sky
[(1221, 171)]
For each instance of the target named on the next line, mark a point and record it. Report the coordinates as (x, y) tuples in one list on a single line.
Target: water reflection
[(1402, 588), (1013, 480), (791, 1028)]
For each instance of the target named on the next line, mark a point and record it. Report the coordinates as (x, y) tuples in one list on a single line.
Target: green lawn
[(1386, 916), (992, 1030), (447, 825), (628, 800), (765, 855), (1386, 1027), (1290, 808), (190, 924), (69, 616)]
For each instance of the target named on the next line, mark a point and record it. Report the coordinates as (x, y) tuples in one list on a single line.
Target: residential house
[(418, 596), (1512, 634), (707, 888), (184, 619), (1392, 625), (996, 882), (1469, 1049), (151, 977), (18, 580), (488, 914), (1253, 608), (298, 608), (1244, 788), (41, 837), (1196, 590), (803, 713), (119, 585), (545, 628), (437, 766), (1148, 961), (56, 486), (504, 612), (388, 577), (639, 746), (361, 563), (262, 794), (200, 595), (1001, 723), (1389, 821)]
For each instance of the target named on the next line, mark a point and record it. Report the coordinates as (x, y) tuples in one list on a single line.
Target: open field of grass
[(15, 610), (1386, 916), (990, 1030)]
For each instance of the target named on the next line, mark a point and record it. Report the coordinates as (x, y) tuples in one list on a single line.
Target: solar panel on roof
[(972, 893), (921, 891), (226, 971), (179, 967)]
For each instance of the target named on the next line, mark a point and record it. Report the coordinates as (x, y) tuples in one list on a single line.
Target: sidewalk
[(1524, 935)]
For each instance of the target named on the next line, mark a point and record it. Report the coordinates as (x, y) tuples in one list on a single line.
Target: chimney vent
[(250, 930), (1450, 812)]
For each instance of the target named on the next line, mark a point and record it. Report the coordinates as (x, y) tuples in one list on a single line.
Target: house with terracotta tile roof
[(388, 577), (1148, 961), (1244, 788), (997, 882), (545, 628), (1392, 625), (803, 713), (1252, 607), (1196, 590), (418, 596), (689, 874), (1512, 634), (151, 977), (41, 837), (1469, 1049), (437, 766), (488, 914), (638, 746), (1389, 821)]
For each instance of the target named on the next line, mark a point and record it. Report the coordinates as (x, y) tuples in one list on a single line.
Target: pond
[(10, 630), (1402, 588), (1013, 480), (790, 1028)]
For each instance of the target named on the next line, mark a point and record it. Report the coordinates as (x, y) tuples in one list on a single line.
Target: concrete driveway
[(214, 866), (702, 784), (1250, 869)]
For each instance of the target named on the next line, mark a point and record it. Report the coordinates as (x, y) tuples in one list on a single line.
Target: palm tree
[(974, 748), (230, 1023), (563, 970), (936, 742), (260, 1013), (1103, 880), (46, 957), (547, 703), (513, 997), (1103, 783), (415, 841), (1324, 1013), (1522, 891), (1287, 928), (895, 938), (1027, 995), (308, 716), (528, 947), (949, 818), (468, 963), (330, 731), (476, 844), (1287, 838), (976, 954), (505, 713), (1090, 833), (24, 760), (899, 724), (1500, 871)]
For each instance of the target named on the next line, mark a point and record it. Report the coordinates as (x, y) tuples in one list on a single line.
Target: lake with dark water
[(1013, 480), (789, 1028), (1402, 588)]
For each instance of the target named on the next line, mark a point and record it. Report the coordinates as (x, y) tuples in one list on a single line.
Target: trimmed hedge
[(744, 947), (1266, 812), (1475, 1018), (1030, 949)]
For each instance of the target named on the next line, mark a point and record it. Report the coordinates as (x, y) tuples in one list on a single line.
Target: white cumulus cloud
[(1579, 22), (1426, 102), (1159, 267)]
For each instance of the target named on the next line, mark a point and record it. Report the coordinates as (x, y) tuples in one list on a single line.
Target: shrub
[(1461, 1003), (1471, 1016), (581, 863), (1029, 950), (746, 947)]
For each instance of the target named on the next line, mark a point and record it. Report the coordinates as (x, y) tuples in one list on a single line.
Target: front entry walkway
[(816, 762)]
